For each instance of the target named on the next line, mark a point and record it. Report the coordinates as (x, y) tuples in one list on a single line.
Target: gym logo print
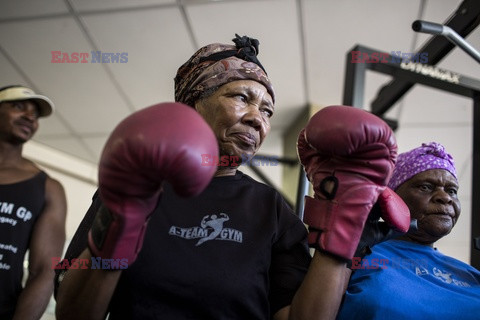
[(13, 214), (419, 266), (444, 276), (94, 56), (6, 247), (211, 228), (432, 72)]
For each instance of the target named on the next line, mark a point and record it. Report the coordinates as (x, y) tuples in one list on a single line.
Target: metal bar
[(447, 81), (460, 42), (447, 32), (272, 159), (475, 227), (267, 181), (354, 83), (410, 72), (431, 76), (465, 19), (303, 185)]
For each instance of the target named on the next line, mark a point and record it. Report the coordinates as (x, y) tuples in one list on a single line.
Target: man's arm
[(47, 241)]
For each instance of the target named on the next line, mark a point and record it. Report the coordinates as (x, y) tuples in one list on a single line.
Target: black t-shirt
[(236, 251), (21, 204)]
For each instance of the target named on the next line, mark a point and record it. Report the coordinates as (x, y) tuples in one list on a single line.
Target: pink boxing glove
[(396, 221), (394, 211), (162, 142), (348, 155)]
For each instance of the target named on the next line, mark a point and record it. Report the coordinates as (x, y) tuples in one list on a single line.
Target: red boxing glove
[(394, 211), (348, 155), (396, 221), (162, 142)]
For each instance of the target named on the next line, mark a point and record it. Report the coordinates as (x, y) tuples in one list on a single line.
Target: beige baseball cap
[(15, 93)]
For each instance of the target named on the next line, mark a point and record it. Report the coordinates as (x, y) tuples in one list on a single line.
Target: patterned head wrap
[(427, 157), (217, 64)]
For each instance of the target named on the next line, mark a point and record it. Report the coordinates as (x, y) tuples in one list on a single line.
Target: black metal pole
[(475, 231), (303, 185), (464, 20), (265, 179), (354, 82), (447, 32)]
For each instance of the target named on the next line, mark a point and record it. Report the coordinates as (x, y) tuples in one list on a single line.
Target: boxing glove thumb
[(396, 221)]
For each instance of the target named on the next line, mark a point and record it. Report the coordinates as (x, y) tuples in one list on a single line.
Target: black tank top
[(21, 203)]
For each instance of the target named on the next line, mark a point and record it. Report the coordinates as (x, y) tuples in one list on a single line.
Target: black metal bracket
[(464, 20), (416, 73)]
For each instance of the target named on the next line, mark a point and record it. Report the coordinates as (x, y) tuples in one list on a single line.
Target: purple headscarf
[(427, 157), (217, 64)]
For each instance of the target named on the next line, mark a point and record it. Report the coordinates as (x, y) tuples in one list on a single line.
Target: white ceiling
[(303, 45)]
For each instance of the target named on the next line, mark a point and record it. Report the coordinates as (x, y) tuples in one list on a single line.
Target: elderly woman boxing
[(408, 278), (233, 249)]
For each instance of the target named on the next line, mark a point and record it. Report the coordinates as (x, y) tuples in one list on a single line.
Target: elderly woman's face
[(432, 199), (239, 113)]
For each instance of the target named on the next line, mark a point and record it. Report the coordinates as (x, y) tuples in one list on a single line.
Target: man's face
[(18, 120), (432, 199), (239, 114)]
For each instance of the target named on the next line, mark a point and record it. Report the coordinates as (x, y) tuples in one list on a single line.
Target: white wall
[(272, 146), (78, 177)]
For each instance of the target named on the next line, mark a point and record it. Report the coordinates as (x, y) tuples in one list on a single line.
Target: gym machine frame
[(462, 85)]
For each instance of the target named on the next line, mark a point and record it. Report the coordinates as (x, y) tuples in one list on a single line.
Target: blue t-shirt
[(404, 280)]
